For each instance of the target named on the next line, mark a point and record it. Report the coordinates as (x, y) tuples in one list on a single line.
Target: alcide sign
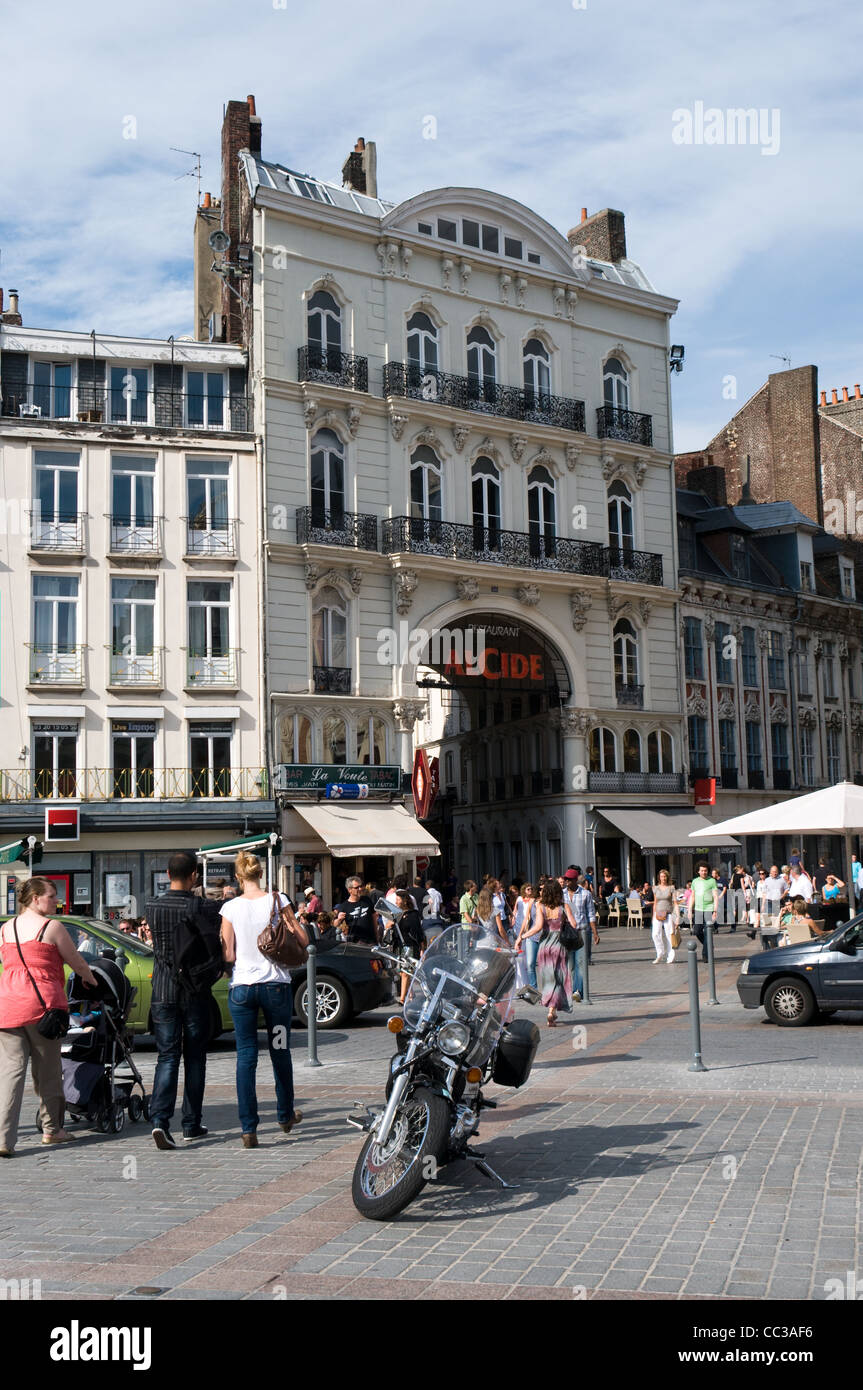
[(313, 777)]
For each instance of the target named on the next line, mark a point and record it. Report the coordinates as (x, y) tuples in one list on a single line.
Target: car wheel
[(333, 1005), (789, 1002)]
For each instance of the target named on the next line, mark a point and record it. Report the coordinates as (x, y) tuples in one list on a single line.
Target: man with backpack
[(188, 961)]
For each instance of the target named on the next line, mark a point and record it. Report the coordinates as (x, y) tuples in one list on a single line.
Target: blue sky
[(557, 105)]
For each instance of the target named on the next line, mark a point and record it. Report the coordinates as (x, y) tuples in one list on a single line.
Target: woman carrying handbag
[(34, 1011), (259, 934)]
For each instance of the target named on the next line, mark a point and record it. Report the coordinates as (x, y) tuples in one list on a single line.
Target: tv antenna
[(781, 357), (190, 173)]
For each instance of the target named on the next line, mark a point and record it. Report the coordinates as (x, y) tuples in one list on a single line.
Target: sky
[(560, 104)]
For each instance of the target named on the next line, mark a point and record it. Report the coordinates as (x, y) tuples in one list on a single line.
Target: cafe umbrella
[(836, 810)]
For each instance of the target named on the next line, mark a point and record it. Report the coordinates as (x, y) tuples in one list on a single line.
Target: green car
[(91, 935)]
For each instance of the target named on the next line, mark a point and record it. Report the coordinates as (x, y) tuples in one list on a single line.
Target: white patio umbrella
[(835, 810)]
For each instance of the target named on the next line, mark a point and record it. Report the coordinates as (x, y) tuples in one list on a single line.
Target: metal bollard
[(312, 1005), (711, 962), (696, 1064), (585, 969)]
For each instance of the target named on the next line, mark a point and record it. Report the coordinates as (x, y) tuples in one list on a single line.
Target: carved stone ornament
[(528, 594), (558, 295), (645, 608), (354, 414), (468, 587), (818, 649), (504, 281), (807, 718), (544, 458), (355, 578), (407, 712), (611, 467), (857, 723), (709, 627), (779, 714), (520, 291), (844, 654), (327, 278), (726, 708), (639, 472), (834, 720), (447, 266), (696, 704), (574, 723), (405, 584), (571, 301), (459, 435), (464, 270), (517, 446), (573, 454), (311, 575), (406, 254), (751, 710), (428, 437), (310, 410), (615, 605), (397, 425), (579, 607), (387, 253)]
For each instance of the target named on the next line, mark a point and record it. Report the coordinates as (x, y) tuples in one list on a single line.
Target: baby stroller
[(101, 1083)]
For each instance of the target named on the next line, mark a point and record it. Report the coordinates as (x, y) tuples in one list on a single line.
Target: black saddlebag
[(516, 1052)]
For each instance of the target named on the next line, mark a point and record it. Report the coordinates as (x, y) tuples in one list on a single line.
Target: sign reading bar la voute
[(313, 777)]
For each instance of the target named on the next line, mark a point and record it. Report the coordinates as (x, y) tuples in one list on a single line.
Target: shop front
[(654, 838)]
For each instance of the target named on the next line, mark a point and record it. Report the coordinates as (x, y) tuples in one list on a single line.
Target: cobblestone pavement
[(637, 1177)]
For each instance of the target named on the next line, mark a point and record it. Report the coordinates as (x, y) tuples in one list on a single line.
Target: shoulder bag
[(280, 941), (54, 1023)]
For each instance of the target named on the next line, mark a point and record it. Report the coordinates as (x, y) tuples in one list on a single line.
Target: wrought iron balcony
[(627, 425), (332, 680), (781, 779), (210, 541), (334, 368), (209, 671), (660, 782), (139, 539), (102, 404), (60, 665), (755, 781), (634, 566), (489, 545), (138, 669), (483, 395), (357, 531), (728, 777), (113, 784), (631, 696), (61, 533)]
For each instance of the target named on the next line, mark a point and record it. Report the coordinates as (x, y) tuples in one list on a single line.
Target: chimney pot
[(857, 393), (584, 214), (835, 394), (823, 400), (251, 103), (208, 202), (844, 393), (13, 301)]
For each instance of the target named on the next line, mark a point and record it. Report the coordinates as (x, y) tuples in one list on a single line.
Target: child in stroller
[(101, 1083)]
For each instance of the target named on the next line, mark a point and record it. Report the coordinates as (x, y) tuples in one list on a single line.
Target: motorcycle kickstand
[(482, 1166)]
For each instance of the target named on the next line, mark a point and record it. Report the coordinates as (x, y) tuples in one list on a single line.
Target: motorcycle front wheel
[(388, 1177)]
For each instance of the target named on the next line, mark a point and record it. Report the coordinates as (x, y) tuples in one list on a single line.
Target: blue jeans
[(576, 961), (531, 951), (275, 1002), (180, 1029)]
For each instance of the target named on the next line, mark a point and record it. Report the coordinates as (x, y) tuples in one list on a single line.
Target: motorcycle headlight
[(453, 1038), (744, 969)]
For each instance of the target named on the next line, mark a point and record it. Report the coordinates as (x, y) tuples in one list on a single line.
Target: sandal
[(551, 1021)]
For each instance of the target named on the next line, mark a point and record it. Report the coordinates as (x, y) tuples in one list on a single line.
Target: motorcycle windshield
[(472, 955)]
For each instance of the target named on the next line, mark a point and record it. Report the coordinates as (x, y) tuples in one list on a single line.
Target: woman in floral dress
[(552, 966)]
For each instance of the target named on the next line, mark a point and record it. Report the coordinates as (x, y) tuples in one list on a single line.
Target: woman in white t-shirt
[(258, 984)]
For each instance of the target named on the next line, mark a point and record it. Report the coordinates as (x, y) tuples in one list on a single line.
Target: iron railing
[(660, 782), (627, 425), (135, 538), (206, 671), (334, 368), (782, 779), (634, 566), (728, 778), (103, 404), (483, 395), (332, 680), (631, 696), (113, 784), (356, 530), (755, 781), (60, 665), (64, 531), (489, 545), (140, 669), (209, 541)]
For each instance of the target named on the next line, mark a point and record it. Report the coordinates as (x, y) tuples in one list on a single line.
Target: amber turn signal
[(474, 1074), (395, 1024)]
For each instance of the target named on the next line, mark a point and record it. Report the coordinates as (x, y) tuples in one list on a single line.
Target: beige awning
[(349, 829), (667, 831)]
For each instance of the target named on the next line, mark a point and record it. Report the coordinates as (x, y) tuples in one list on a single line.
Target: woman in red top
[(45, 946)]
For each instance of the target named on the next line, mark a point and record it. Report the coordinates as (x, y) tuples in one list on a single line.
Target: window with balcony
[(133, 747), (426, 487), (660, 752), (296, 739), (602, 751), (727, 746), (372, 741), (749, 657), (833, 744), (631, 751), (807, 756), (335, 741), (328, 481), (693, 649), (55, 760), (330, 642), (210, 758), (209, 528), (625, 644), (423, 354), (325, 331), (722, 648), (55, 653), (134, 658), (133, 519), (699, 759), (127, 395), (828, 670), (620, 528), (56, 519), (753, 748), (482, 365), (52, 389), (775, 661), (615, 384), (779, 748), (210, 658), (485, 492), (537, 371), (205, 399), (541, 511)]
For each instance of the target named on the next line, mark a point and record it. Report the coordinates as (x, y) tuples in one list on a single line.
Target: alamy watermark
[(462, 649), (737, 125)]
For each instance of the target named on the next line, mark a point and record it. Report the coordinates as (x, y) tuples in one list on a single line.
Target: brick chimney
[(709, 480), (360, 169), (603, 235), (10, 317), (241, 130)]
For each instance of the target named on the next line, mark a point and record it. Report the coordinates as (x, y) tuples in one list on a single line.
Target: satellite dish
[(219, 241)]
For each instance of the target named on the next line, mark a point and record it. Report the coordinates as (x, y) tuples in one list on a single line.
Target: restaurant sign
[(314, 777)]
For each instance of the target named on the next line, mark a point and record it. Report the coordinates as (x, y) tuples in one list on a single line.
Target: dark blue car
[(796, 984)]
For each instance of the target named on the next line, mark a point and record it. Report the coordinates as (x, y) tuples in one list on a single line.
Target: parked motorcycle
[(456, 1035)]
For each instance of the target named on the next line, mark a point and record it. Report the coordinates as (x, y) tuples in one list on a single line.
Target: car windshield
[(90, 935)]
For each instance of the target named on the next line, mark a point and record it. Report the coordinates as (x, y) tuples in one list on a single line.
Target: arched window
[(328, 480), (631, 751), (325, 332), (482, 365), (619, 519), (296, 739), (372, 741), (602, 751), (426, 495), (660, 752), (335, 741), (541, 512), (615, 383), (485, 487), (537, 374), (422, 345), (625, 655), (329, 631)]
